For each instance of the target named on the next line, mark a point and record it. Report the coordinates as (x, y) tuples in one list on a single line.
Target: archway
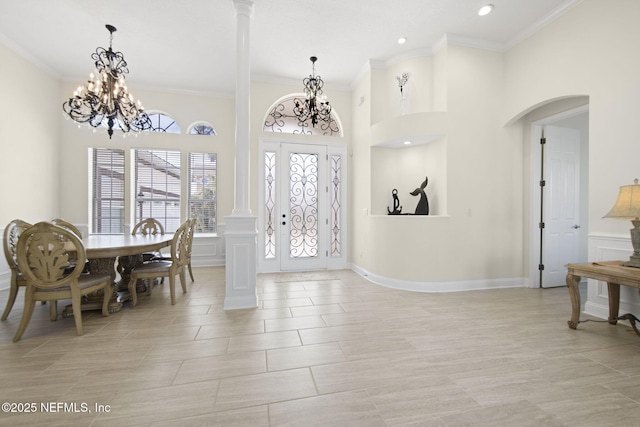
[(553, 243)]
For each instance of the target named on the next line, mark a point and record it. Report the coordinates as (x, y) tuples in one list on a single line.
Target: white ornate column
[(241, 234)]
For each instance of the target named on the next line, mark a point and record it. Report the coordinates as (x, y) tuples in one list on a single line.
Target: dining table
[(117, 255)]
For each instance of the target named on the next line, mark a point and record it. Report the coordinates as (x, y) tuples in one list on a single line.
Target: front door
[(303, 209), (302, 198)]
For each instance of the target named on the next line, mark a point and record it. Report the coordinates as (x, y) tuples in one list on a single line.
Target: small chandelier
[(316, 106), (402, 81), (105, 100)]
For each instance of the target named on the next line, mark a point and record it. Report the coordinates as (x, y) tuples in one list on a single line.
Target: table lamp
[(628, 207)]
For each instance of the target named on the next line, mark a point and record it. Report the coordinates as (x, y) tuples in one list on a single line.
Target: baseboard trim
[(441, 286), (596, 310)]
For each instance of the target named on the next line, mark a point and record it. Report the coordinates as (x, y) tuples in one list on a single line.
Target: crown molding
[(20, 51), (546, 20), (416, 53), (457, 40), (449, 39)]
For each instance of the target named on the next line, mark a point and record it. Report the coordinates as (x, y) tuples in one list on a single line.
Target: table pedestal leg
[(614, 302), (574, 293), (94, 301)]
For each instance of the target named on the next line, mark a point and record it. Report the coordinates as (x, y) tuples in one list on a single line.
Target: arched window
[(281, 117), (162, 122), (201, 128)]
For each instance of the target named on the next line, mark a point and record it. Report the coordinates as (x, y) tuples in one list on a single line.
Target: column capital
[(243, 7)]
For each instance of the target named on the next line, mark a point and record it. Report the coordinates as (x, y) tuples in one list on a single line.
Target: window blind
[(107, 199), (157, 186), (203, 191)]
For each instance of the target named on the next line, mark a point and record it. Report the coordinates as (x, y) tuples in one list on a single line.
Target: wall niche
[(396, 165), (405, 150)]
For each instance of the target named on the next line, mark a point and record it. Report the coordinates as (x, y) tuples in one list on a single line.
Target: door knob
[(576, 226)]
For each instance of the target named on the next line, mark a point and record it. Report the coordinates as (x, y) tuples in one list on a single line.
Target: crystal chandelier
[(315, 106), (105, 100)]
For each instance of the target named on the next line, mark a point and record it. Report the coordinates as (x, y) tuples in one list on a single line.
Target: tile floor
[(323, 349)]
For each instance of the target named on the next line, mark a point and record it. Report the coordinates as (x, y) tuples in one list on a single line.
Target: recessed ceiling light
[(485, 10), (402, 40), (407, 143)]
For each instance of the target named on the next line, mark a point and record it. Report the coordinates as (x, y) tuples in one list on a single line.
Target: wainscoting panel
[(208, 250), (604, 247)]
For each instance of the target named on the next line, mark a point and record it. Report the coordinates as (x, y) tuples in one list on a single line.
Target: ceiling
[(189, 45)]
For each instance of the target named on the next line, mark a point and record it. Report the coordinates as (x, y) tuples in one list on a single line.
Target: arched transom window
[(201, 128), (282, 117), (163, 123)]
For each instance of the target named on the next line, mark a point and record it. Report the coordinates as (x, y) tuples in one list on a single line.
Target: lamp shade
[(628, 204)]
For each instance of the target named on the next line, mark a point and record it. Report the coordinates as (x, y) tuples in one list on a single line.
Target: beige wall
[(30, 113), (590, 51), (587, 53), (185, 109), (477, 230)]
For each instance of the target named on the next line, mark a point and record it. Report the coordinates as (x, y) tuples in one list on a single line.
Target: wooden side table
[(611, 272)]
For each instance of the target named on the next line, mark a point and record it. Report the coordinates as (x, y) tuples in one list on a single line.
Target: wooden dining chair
[(12, 233), (69, 226), (148, 226), (44, 254), (66, 224), (192, 230), (165, 267)]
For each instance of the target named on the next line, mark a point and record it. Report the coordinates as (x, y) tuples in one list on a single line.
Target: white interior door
[(303, 212), (561, 204)]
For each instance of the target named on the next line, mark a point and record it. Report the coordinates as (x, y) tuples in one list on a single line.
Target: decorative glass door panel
[(303, 205), (304, 208)]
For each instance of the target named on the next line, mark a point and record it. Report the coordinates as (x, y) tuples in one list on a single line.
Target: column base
[(240, 302), (241, 249)]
